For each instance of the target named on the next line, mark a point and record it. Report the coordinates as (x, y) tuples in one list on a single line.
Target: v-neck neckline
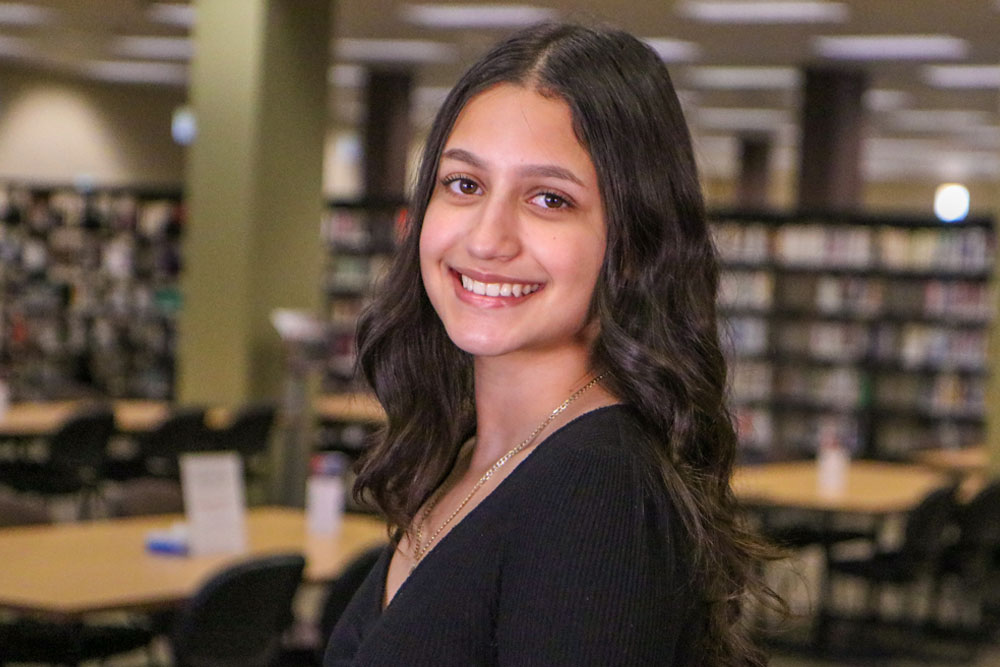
[(465, 520)]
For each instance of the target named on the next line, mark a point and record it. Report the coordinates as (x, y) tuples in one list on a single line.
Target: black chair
[(970, 558), (183, 431), (237, 617), (75, 459), (805, 529), (36, 641), (25, 639), (335, 600), (144, 496), (914, 560), (16, 510), (249, 434)]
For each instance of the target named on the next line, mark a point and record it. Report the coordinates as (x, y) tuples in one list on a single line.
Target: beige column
[(831, 139), (254, 191)]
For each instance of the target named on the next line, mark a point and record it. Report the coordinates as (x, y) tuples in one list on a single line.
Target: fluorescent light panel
[(962, 76), (169, 13), (461, 17), (882, 99), (674, 50), (136, 72), (891, 47), (430, 96), (935, 120), (395, 50), (16, 47), (346, 76), (765, 12), (160, 48), (744, 78), (23, 14), (739, 119)]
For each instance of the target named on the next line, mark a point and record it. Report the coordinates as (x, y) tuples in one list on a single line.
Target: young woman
[(558, 452)]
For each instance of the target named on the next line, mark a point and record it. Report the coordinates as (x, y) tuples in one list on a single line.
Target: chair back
[(979, 519), (144, 496), (81, 442), (183, 431), (250, 430), (342, 589), (237, 617), (16, 510), (925, 528)]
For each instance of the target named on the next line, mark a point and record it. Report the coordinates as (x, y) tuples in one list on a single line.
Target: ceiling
[(919, 128)]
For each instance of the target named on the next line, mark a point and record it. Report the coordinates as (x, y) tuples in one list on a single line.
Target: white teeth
[(498, 289)]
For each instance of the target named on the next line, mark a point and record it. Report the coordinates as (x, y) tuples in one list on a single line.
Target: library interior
[(197, 199)]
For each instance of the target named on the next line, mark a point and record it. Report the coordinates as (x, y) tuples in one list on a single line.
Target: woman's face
[(514, 234)]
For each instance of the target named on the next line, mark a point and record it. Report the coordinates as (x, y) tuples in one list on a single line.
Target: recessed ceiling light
[(674, 50), (739, 119), (891, 47), (171, 14), (882, 99), (165, 48), (19, 13), (135, 72), (963, 76), (765, 12), (744, 78), (475, 16), (395, 50)]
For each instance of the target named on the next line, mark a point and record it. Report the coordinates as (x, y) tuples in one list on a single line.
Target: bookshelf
[(871, 327), (360, 238), (89, 291)]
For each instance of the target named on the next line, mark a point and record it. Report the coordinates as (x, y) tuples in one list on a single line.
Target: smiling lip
[(494, 286)]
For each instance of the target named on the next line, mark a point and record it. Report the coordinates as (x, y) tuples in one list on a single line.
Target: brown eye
[(554, 201), (461, 185), (550, 200)]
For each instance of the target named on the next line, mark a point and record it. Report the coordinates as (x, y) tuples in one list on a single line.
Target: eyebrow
[(549, 170)]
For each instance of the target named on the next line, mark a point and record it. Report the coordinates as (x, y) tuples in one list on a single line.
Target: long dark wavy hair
[(658, 342)]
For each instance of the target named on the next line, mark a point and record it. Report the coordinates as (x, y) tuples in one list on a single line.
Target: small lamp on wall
[(183, 127), (951, 202)]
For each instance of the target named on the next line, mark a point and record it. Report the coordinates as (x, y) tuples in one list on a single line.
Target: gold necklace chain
[(421, 548)]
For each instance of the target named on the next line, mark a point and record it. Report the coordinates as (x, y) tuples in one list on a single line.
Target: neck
[(515, 395)]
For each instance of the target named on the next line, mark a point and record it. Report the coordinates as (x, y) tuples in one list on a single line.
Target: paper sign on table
[(214, 503)]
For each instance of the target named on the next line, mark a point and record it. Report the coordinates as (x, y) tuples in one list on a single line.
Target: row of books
[(845, 246)]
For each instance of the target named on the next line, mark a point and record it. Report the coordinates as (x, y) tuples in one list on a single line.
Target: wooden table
[(871, 488), (355, 407), (957, 461), (32, 419), (66, 570)]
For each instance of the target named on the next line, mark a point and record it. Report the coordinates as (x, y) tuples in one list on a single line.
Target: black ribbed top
[(576, 558)]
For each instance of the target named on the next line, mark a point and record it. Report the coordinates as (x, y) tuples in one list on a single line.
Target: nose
[(493, 234)]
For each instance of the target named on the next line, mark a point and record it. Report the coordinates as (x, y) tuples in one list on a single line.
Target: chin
[(479, 347)]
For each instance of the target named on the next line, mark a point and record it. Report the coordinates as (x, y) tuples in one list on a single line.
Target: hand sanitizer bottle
[(832, 461), (325, 493)]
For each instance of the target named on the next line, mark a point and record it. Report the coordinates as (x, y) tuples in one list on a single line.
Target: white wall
[(55, 130)]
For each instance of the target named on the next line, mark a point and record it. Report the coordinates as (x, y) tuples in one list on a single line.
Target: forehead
[(508, 116)]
